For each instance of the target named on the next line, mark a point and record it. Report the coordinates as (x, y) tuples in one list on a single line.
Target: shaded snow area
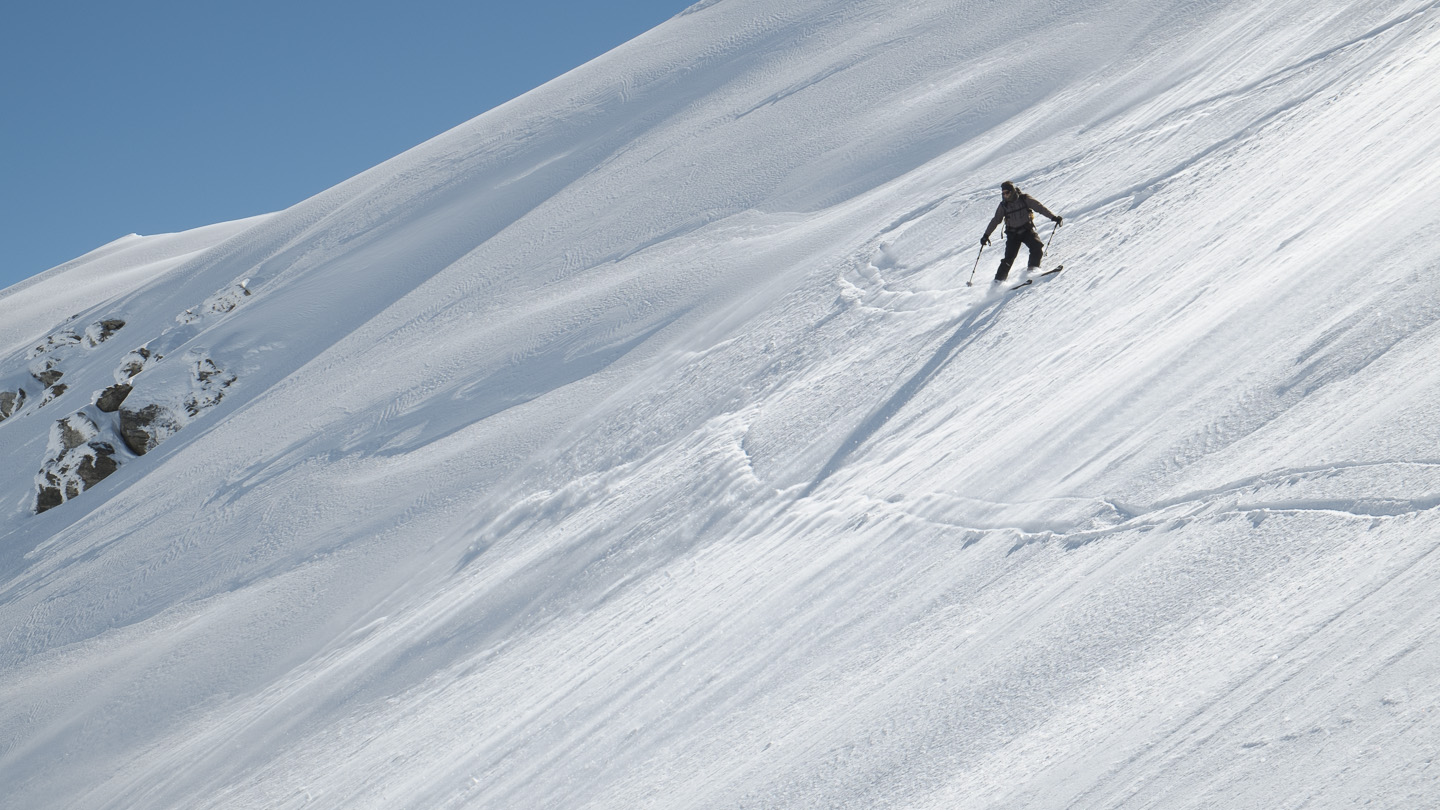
[(639, 444)]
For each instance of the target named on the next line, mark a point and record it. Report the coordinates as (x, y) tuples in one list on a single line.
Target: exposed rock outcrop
[(74, 461), (113, 397), (101, 331), (152, 419), (95, 334), (80, 452), (52, 393), (46, 372), (10, 403), (144, 428)]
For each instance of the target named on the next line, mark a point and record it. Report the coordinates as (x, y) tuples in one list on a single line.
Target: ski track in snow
[(639, 444)]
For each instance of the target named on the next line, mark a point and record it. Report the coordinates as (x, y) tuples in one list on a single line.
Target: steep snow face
[(639, 443)]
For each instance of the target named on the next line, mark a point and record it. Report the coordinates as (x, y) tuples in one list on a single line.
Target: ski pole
[(1052, 237), (971, 282)]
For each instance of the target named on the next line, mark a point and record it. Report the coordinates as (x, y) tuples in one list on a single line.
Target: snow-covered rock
[(101, 331), (163, 404), (10, 402), (74, 461), (134, 363)]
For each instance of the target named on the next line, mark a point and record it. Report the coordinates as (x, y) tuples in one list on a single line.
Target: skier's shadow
[(968, 326)]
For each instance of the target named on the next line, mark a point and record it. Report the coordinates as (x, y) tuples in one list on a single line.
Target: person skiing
[(1016, 209)]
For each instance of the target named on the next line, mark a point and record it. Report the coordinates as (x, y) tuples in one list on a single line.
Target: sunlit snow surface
[(639, 443)]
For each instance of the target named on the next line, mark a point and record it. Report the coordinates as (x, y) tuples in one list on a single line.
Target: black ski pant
[(1013, 240)]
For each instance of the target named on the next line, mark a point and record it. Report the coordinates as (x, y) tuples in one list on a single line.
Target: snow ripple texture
[(638, 444)]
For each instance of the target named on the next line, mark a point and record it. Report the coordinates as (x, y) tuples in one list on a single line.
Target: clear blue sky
[(158, 116)]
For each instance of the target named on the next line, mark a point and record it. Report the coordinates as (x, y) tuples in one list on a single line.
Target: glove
[(1058, 221), (984, 241)]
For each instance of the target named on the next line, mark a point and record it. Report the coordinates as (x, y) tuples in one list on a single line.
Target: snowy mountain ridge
[(639, 443)]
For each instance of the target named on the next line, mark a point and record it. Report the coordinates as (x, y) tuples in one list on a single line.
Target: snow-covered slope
[(34, 307), (639, 444)]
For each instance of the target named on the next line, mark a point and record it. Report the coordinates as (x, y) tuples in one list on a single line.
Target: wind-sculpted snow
[(639, 443)]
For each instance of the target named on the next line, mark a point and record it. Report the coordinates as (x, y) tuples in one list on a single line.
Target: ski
[(1027, 282)]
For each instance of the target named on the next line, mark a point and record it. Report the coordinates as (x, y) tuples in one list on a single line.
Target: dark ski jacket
[(1016, 213)]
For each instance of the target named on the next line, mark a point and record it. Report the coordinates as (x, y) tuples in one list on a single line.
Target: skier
[(1015, 209)]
